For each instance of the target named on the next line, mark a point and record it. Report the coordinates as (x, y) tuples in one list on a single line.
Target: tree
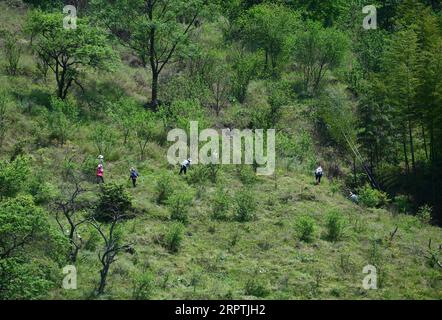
[(157, 31), (145, 131), (268, 28), (124, 114), (13, 50), (401, 82), (113, 245), (13, 176), (21, 224), (61, 120), (316, 51), (68, 52), (245, 68), (69, 206)]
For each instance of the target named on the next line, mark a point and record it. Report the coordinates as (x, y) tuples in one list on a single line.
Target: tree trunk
[(103, 278), (154, 98), (425, 142), (410, 133), (407, 165)]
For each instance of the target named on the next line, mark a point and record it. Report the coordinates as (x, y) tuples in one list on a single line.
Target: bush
[(197, 174), (164, 188), (424, 214), (402, 204), (220, 204), (13, 176), (174, 237), (372, 198), (143, 285), (179, 203), (60, 120), (114, 200), (245, 206), (13, 50), (246, 174), (256, 288), (335, 226), (305, 228), (4, 101)]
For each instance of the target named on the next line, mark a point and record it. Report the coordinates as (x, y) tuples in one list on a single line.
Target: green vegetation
[(365, 104)]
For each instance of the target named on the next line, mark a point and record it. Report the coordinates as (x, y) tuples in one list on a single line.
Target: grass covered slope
[(243, 237)]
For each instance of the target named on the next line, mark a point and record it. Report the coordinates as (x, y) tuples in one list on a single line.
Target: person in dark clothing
[(133, 176), (184, 166)]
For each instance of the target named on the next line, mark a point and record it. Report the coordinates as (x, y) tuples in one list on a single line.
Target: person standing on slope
[(185, 165), (318, 174), (133, 176), (100, 174)]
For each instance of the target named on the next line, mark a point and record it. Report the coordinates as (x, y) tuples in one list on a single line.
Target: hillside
[(237, 235)]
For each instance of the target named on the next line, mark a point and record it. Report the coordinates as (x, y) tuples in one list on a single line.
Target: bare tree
[(112, 247), (68, 210)]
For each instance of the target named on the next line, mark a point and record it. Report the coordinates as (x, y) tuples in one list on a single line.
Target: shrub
[(424, 214), (114, 200), (59, 120), (245, 206), (335, 225), (13, 50), (4, 101), (143, 285), (256, 288), (246, 175), (179, 203), (402, 204), (13, 176), (164, 188), (305, 228), (220, 204), (174, 237), (197, 175), (372, 198)]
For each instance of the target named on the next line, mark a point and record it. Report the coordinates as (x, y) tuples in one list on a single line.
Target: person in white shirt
[(185, 165), (354, 197), (318, 174)]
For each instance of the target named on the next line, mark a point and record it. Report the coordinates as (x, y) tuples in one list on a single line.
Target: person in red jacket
[(100, 173)]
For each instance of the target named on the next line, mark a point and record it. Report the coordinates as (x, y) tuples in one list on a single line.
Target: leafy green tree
[(401, 82), (317, 51), (157, 31), (61, 120), (68, 52), (30, 250), (245, 68), (268, 28), (13, 176), (124, 113)]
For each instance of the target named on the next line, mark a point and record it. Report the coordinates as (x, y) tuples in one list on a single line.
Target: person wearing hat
[(185, 165), (133, 176), (100, 173)]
